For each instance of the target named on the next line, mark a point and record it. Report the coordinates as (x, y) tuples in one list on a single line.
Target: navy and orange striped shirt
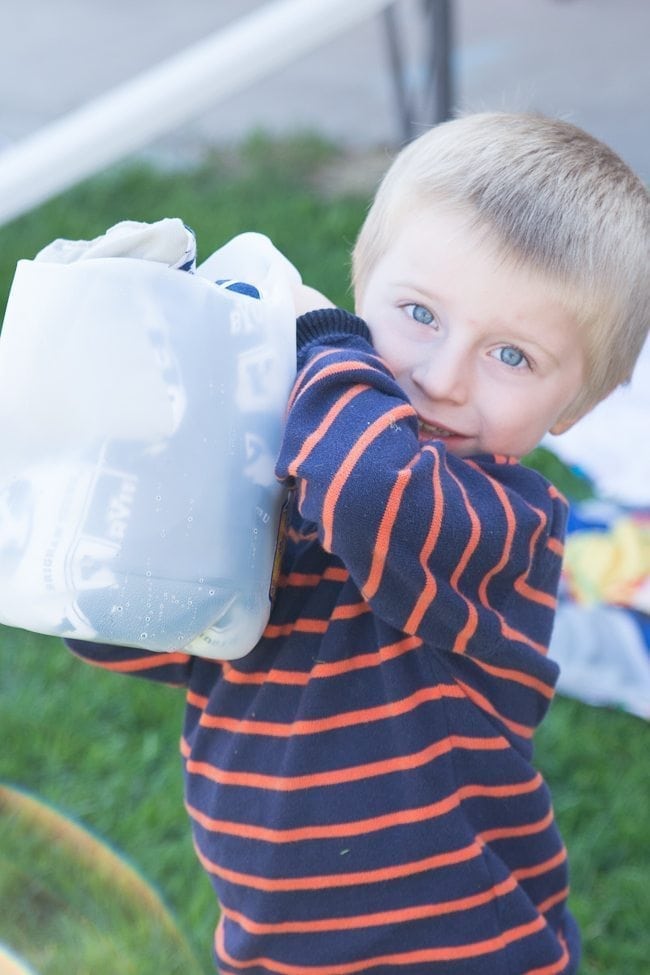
[(360, 785)]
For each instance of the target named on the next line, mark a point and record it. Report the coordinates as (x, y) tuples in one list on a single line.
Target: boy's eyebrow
[(516, 336), (540, 349), (413, 286)]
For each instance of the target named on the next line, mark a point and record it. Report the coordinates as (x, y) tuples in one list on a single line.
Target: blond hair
[(552, 198)]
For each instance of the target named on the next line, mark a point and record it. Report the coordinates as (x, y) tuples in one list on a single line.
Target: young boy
[(360, 785)]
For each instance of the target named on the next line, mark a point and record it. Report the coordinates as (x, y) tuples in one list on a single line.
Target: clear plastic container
[(141, 411)]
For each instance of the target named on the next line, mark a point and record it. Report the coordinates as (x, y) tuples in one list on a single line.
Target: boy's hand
[(308, 299)]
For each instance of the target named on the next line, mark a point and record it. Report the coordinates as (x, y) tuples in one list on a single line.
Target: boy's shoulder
[(531, 503), (520, 477)]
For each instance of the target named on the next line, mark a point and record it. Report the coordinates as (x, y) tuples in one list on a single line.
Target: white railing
[(133, 114)]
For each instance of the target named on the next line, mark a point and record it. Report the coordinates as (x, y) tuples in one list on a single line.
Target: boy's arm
[(462, 553), (166, 668)]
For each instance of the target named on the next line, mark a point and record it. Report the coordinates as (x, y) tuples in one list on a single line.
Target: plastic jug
[(141, 411)]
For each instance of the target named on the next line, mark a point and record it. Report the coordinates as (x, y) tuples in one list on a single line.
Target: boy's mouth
[(461, 444), (431, 431)]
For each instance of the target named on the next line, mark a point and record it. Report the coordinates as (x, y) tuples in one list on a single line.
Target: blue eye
[(510, 355), (420, 314)]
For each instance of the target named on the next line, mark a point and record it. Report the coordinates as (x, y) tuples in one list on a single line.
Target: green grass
[(105, 752), (70, 904), (265, 186), (103, 748)]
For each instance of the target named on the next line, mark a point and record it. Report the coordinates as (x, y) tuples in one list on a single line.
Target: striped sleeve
[(461, 553), (165, 668)]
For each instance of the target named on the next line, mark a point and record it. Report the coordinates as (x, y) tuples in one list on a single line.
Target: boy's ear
[(573, 412), (563, 425), (566, 422)]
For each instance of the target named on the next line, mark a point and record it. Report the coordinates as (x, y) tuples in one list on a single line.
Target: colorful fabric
[(360, 785), (601, 638), (607, 557)]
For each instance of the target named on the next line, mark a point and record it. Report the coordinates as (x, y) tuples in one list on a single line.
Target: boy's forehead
[(455, 226), (434, 232), (443, 254), (438, 238)]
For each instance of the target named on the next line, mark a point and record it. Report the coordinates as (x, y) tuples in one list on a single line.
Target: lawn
[(103, 749)]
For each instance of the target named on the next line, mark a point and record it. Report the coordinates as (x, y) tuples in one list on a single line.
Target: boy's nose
[(444, 375)]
